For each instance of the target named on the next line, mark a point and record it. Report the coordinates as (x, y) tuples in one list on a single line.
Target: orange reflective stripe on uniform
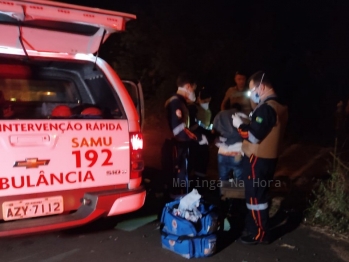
[(252, 167), (259, 224), (254, 217)]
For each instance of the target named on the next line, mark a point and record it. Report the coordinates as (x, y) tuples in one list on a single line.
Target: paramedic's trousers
[(258, 175), (174, 161)]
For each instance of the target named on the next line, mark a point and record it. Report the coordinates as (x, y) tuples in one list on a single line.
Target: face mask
[(191, 96), (205, 105), (255, 97)]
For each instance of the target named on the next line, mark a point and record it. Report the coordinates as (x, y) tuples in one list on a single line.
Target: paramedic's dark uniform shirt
[(263, 120), (178, 117)]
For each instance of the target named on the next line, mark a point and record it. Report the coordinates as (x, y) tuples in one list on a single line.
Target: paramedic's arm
[(263, 120), (177, 122)]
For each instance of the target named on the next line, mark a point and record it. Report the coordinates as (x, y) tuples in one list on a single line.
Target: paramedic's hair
[(185, 78), (256, 78), (240, 73)]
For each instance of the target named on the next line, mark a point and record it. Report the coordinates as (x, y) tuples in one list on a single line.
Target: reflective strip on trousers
[(257, 207)]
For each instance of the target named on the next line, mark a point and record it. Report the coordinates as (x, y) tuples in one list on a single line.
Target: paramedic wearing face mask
[(204, 114), (178, 119), (261, 150)]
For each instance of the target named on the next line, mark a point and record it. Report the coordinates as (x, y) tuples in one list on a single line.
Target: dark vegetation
[(329, 203), (303, 44)]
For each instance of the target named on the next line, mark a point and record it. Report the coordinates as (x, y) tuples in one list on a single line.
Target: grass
[(330, 205)]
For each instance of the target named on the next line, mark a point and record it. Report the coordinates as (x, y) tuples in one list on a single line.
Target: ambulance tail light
[(137, 163)]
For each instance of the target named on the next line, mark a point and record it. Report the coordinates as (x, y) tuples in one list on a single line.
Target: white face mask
[(205, 105), (255, 97), (191, 95)]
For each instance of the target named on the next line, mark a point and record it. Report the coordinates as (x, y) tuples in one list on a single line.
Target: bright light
[(48, 93), (13, 99), (248, 93), (137, 142)]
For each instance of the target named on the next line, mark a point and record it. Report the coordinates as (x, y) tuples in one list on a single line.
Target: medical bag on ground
[(187, 238), (179, 226), (189, 247)]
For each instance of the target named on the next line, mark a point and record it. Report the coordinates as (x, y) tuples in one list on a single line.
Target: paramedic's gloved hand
[(203, 140), (236, 120), (242, 115), (245, 118)]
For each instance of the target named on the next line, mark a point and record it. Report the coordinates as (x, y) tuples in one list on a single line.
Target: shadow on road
[(284, 222)]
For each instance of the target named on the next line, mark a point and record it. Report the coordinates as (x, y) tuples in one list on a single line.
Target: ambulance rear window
[(103, 94), (34, 89), (35, 98), (29, 90)]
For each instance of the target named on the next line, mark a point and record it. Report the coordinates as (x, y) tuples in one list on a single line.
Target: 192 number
[(92, 157)]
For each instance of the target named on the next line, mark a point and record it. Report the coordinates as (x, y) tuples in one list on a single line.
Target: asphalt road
[(135, 237)]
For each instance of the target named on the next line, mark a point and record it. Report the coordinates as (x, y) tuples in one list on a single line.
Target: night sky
[(302, 44)]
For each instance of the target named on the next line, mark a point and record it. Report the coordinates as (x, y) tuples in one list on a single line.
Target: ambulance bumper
[(94, 205)]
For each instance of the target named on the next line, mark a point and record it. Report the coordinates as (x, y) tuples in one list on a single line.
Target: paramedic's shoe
[(250, 240)]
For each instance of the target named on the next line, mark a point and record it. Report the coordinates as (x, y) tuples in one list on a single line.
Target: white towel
[(188, 206), (188, 200)]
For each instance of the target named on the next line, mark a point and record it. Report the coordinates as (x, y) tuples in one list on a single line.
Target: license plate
[(35, 207)]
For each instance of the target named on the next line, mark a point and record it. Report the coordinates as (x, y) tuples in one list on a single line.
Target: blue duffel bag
[(181, 227), (189, 247)]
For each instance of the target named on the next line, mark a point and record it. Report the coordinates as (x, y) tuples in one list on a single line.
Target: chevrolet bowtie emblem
[(32, 163)]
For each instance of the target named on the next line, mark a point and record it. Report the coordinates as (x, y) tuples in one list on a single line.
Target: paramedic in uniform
[(261, 150), (178, 119)]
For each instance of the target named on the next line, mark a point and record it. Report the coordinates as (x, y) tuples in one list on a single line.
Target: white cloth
[(188, 206), (236, 120), (224, 149)]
